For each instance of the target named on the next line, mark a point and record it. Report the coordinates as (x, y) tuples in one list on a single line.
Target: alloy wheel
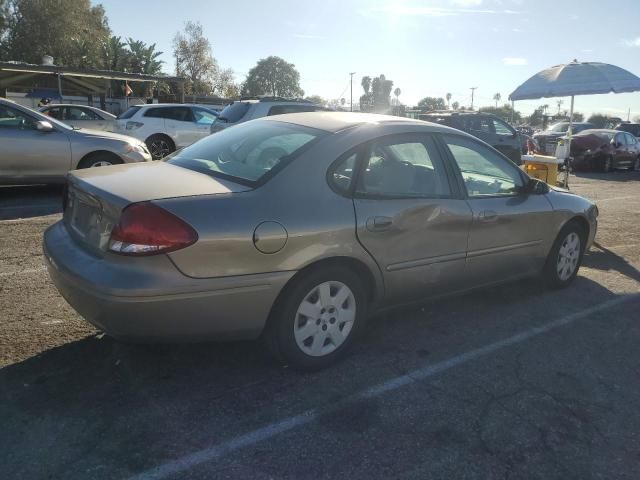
[(101, 163), (324, 318), (159, 149), (568, 256)]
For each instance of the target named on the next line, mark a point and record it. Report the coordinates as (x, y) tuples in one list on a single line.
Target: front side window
[(131, 112), (502, 128), (630, 139), (484, 172), (403, 167), (619, 139), (54, 112), (477, 123), (247, 152), (14, 119)]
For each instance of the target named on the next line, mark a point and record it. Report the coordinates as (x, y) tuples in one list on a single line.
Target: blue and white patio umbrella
[(576, 78)]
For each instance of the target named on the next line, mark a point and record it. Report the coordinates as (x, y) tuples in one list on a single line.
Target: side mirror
[(44, 126)]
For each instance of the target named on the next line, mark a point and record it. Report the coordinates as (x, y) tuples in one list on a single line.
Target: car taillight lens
[(146, 229)]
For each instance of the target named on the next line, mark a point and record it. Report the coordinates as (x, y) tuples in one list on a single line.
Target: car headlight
[(137, 147)]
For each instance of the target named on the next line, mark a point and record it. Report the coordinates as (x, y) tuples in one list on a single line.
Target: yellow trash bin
[(542, 167)]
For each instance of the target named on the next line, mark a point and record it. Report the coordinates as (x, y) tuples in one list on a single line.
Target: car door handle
[(378, 224), (487, 216)]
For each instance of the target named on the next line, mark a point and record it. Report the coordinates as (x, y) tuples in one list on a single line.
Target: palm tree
[(143, 58), (448, 96), (455, 105), (397, 93), (497, 98)]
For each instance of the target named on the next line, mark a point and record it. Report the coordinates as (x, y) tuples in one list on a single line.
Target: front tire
[(607, 166), (636, 165), (160, 146), (99, 159), (317, 318), (565, 257)]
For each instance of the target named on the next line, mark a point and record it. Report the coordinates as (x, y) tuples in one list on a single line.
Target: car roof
[(164, 105), (337, 121), (600, 130)]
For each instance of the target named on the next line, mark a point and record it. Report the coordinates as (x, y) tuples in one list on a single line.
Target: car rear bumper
[(147, 299)]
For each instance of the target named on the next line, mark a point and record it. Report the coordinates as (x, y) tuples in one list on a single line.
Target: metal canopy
[(70, 72), (577, 78)]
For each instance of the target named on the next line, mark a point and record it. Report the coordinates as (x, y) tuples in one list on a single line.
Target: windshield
[(246, 152), (234, 112), (129, 113)]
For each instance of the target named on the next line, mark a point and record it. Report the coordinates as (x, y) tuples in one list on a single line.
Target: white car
[(166, 127), (258, 107), (81, 116)]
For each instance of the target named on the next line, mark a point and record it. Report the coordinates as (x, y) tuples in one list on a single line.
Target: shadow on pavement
[(27, 201), (605, 259), (614, 176)]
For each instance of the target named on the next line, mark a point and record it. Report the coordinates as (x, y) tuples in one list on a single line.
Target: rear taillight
[(146, 229)]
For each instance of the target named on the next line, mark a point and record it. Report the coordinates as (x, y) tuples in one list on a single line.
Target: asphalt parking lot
[(512, 382)]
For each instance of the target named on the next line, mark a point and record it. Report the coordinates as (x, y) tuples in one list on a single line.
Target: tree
[(448, 97), (599, 120), (432, 103), (505, 112), (537, 117), (455, 105), (73, 32), (273, 76), (377, 94), (317, 99), (225, 85), (397, 93), (143, 58), (194, 59), (497, 97), (578, 117)]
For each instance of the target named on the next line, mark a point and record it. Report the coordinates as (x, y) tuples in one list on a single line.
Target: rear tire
[(160, 146), (565, 257), (99, 159), (316, 318)]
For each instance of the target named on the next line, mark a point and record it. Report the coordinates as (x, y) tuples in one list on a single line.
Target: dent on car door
[(409, 219), (27, 152), (511, 229)]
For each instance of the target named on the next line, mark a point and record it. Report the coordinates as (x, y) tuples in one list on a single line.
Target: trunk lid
[(95, 197)]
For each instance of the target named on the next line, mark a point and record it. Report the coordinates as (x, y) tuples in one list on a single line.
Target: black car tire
[(636, 165), (160, 146), (279, 336), (99, 159), (551, 276), (607, 164)]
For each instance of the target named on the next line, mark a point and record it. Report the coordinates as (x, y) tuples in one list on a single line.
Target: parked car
[(258, 107), (40, 149), (548, 139), (81, 116), (604, 150), (296, 227), (632, 128), (490, 128), (166, 127)]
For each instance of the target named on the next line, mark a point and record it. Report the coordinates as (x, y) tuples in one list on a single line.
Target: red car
[(604, 150)]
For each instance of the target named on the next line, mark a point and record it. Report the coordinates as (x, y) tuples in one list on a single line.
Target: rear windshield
[(129, 113), (248, 152), (234, 112), (629, 127)]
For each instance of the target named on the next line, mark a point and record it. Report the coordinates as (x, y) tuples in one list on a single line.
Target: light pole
[(473, 89), (351, 101)]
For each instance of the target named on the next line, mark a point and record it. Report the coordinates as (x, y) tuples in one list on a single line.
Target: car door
[(180, 125), (410, 218), (632, 149), (29, 153), (203, 119), (510, 231), (621, 156), (507, 141)]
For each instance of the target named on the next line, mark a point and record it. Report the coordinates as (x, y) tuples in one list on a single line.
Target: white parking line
[(215, 452)]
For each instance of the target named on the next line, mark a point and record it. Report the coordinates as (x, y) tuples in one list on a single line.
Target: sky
[(428, 48)]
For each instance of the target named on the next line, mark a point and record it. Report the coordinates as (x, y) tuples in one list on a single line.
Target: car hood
[(102, 135), (138, 182)]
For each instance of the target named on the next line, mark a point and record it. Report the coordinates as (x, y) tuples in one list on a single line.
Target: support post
[(60, 87), (569, 132)]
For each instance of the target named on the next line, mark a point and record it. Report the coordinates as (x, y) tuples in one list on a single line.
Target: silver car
[(296, 227), (81, 116), (36, 148)]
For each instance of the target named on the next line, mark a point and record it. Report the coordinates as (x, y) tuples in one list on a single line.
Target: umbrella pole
[(569, 132)]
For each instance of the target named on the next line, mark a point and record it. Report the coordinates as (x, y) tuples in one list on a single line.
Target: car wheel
[(565, 256), (636, 165), (316, 319), (99, 159), (160, 146), (607, 166)]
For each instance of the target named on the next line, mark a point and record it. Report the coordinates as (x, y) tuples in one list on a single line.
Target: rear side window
[(129, 113), (341, 175), (234, 112)]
